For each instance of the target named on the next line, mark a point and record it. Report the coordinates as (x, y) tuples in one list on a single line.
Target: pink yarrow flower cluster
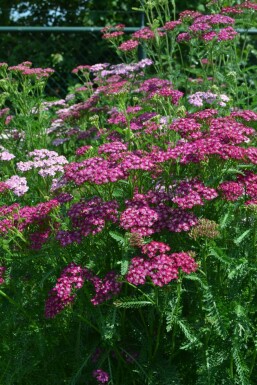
[(148, 214), (3, 187), (18, 185), (48, 162), (5, 155), (25, 69), (128, 45), (199, 98), (161, 267), (205, 27), (2, 272), (105, 288), (87, 217), (22, 218), (246, 115), (127, 70), (73, 278), (191, 193), (244, 186), (101, 376)]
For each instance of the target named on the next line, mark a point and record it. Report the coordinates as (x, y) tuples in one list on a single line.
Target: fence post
[(141, 49)]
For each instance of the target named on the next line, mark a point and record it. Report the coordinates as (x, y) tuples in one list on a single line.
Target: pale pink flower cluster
[(5, 154), (17, 184), (48, 162), (199, 98)]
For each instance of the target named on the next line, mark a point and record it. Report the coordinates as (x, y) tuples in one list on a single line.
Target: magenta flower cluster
[(162, 268), (148, 214), (22, 218), (72, 278), (25, 69), (101, 376), (2, 272), (192, 193), (161, 87), (88, 217), (244, 186)]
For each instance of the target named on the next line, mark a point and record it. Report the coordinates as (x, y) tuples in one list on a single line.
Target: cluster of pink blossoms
[(127, 70), (148, 214), (5, 154), (48, 162), (2, 271), (82, 150), (101, 376), (240, 8), (88, 217), (105, 288), (205, 27), (94, 170), (245, 185), (128, 45), (162, 268), (25, 69), (3, 187), (72, 278), (17, 184), (246, 115), (199, 98), (164, 88), (112, 32), (23, 217), (191, 193)]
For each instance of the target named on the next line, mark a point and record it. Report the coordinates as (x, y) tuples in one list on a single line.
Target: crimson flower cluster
[(22, 217), (101, 376), (87, 217), (72, 278), (161, 87), (245, 185), (145, 218), (162, 268), (2, 271), (191, 193)]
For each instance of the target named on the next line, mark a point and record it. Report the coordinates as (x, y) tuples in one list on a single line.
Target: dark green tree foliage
[(61, 51)]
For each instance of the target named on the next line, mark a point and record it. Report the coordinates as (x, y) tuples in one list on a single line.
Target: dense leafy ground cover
[(128, 212)]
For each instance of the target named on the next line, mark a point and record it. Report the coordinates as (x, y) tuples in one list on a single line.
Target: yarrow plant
[(128, 219)]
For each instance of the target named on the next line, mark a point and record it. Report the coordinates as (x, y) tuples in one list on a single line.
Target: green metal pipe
[(251, 31), (60, 29)]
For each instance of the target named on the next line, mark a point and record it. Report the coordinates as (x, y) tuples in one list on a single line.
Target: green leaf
[(137, 9), (187, 331), (238, 240), (218, 254), (124, 267), (118, 192), (118, 237), (224, 220), (128, 303)]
